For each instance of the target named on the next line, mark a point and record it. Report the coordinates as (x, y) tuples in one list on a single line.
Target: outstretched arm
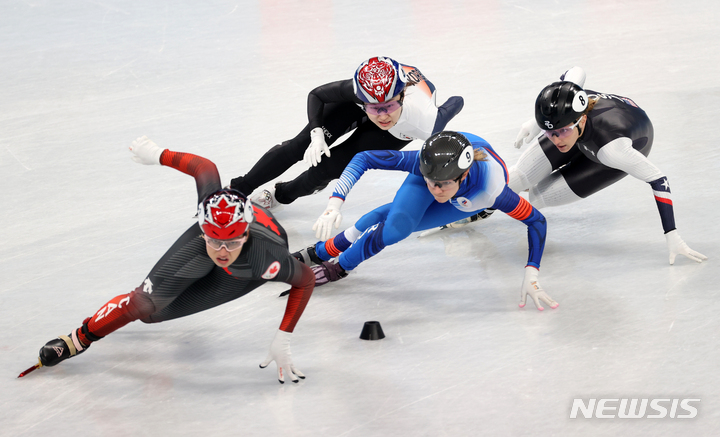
[(303, 283), (207, 178), (620, 154), (361, 162), (520, 209)]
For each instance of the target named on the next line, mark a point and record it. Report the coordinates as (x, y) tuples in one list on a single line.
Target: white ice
[(79, 80)]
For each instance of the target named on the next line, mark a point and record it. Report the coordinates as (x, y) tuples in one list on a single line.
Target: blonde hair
[(480, 155), (592, 100)]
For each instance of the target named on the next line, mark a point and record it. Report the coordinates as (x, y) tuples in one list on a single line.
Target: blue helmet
[(378, 80)]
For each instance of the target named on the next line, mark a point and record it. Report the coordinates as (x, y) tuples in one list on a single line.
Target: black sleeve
[(333, 92), (447, 111)]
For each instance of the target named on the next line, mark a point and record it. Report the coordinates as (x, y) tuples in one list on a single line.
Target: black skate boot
[(66, 346), (308, 256), (328, 272), (482, 215), (63, 347), (59, 350), (485, 213)]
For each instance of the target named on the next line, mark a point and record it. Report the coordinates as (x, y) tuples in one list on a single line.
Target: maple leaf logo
[(266, 221), (272, 271), (223, 213)]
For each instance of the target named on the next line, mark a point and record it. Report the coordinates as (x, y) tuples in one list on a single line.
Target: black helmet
[(560, 104), (445, 156)]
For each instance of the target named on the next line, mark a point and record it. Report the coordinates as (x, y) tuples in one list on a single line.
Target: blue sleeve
[(373, 159), (446, 112), (661, 190), (520, 209)]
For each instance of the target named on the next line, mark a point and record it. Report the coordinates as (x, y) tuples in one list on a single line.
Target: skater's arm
[(207, 178), (372, 160), (446, 112), (303, 283), (333, 92), (520, 209), (620, 154)]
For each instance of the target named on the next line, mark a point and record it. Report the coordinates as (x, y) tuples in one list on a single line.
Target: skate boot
[(308, 256), (61, 348), (485, 213), (265, 198), (67, 346), (64, 347), (328, 272)]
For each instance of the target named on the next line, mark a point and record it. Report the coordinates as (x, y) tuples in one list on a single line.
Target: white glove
[(532, 287), (575, 75), (677, 246), (145, 151), (317, 147), (331, 216), (528, 131), (280, 353)]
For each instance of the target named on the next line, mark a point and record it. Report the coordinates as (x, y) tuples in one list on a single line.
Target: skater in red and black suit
[(235, 248)]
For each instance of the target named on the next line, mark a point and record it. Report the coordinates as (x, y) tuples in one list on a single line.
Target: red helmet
[(378, 80), (225, 214)]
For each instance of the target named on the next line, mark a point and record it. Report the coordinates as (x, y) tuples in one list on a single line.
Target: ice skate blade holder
[(372, 331)]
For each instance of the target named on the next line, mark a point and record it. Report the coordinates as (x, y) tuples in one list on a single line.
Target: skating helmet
[(560, 104), (445, 156), (225, 214), (378, 80)]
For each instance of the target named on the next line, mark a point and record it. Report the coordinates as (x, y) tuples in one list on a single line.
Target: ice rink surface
[(227, 80)]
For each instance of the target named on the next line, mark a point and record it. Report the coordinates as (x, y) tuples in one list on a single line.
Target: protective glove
[(528, 131), (317, 147), (532, 287), (145, 151), (280, 353), (331, 216), (677, 246), (575, 75)]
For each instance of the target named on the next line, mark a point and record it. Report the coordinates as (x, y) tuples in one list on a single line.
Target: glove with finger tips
[(280, 353), (317, 147), (331, 217), (145, 151), (532, 287), (528, 131), (676, 246)]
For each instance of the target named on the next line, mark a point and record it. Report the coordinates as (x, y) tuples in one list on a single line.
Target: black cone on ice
[(372, 331)]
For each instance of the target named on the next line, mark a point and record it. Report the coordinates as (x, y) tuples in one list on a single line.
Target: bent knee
[(397, 228), (141, 306)]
